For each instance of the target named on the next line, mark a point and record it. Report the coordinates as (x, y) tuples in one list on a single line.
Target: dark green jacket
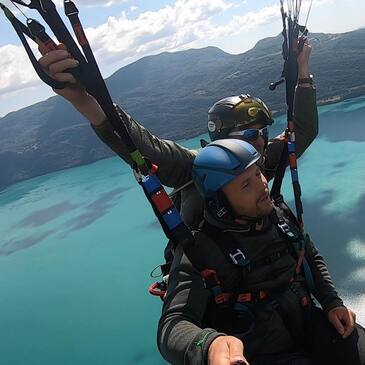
[(175, 162), (191, 320)]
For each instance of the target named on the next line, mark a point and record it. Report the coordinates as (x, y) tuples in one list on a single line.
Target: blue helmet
[(219, 163)]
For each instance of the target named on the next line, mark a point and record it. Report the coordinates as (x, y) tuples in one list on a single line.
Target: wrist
[(85, 102), (305, 81), (303, 72), (91, 110)]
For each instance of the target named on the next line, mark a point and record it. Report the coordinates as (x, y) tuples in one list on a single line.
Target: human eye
[(245, 185)]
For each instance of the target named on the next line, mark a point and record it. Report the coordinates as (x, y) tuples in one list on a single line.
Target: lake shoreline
[(321, 103)]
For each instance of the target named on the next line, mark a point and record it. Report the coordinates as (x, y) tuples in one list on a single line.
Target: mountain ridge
[(170, 94)]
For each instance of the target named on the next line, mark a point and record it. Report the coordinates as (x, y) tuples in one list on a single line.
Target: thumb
[(235, 351)]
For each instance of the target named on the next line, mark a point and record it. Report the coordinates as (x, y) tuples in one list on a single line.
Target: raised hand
[(55, 63)]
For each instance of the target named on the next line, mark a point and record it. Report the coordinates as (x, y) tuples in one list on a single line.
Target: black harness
[(236, 307)]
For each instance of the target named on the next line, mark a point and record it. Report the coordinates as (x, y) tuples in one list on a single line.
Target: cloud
[(356, 249), (16, 70), (357, 304), (250, 20), (121, 40), (92, 3), (185, 24), (170, 28)]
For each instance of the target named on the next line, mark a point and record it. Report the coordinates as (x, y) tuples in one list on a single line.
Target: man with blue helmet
[(243, 293)]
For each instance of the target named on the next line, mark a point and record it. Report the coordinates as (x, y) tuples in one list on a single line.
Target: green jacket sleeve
[(306, 129), (325, 291), (181, 338), (174, 161)]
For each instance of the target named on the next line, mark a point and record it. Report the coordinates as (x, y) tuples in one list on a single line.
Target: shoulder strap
[(212, 255), (284, 215), (286, 223)]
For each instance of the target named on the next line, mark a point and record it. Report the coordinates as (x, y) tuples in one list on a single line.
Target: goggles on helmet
[(254, 107), (251, 134)]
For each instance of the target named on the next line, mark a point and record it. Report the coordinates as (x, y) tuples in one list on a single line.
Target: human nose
[(263, 179), (264, 183), (259, 144)]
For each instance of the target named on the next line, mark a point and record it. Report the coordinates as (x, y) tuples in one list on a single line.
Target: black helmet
[(236, 113)]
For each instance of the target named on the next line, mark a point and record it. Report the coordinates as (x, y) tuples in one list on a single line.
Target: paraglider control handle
[(273, 85)]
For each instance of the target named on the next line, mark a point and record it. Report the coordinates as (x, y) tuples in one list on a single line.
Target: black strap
[(274, 256), (91, 78), (290, 50), (279, 173)]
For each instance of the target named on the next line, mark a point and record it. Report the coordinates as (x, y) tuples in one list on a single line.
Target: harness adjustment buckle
[(210, 277), (239, 258), (222, 298), (305, 301), (285, 228), (221, 212)]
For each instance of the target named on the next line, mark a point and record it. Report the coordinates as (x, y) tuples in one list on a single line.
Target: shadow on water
[(332, 233), (46, 215), (339, 166), (20, 190), (96, 209), (93, 211), (15, 245)]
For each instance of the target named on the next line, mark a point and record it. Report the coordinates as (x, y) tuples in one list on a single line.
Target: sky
[(123, 31)]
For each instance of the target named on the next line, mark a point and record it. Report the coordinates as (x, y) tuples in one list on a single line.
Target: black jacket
[(190, 320)]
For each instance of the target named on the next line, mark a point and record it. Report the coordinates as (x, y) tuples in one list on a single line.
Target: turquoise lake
[(77, 248)]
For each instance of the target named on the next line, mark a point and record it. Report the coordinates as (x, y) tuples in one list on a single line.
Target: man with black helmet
[(242, 292), (244, 116)]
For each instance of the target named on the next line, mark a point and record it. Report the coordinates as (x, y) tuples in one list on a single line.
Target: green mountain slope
[(170, 94)]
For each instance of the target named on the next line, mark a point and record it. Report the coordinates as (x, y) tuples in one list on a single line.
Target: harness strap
[(239, 259), (254, 296), (293, 232), (212, 283), (291, 320), (280, 170)]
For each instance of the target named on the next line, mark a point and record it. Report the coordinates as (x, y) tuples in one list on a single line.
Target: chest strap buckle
[(238, 258)]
